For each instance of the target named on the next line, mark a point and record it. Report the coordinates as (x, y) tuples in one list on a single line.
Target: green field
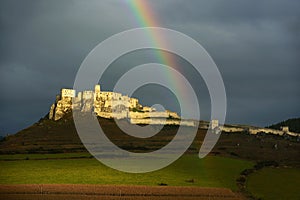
[(275, 183), (189, 170), (7, 157)]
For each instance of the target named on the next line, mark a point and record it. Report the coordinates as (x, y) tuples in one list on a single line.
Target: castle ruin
[(108, 104)]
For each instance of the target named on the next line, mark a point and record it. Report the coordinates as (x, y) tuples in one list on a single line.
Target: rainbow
[(143, 13), (147, 18)]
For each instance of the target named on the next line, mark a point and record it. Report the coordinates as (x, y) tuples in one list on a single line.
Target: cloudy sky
[(255, 45)]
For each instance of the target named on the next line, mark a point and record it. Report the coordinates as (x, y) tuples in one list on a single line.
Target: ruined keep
[(108, 104)]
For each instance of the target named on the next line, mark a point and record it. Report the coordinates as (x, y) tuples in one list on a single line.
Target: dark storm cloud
[(255, 44), (42, 46)]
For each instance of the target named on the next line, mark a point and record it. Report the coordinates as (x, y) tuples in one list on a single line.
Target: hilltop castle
[(115, 105), (111, 105)]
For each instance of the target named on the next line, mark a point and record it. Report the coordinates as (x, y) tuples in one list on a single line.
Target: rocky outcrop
[(62, 105)]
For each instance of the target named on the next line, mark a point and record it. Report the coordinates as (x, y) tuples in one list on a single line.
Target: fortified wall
[(108, 104), (251, 129)]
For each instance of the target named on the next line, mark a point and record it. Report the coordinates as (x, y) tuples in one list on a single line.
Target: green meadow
[(275, 183), (189, 170), (7, 157)]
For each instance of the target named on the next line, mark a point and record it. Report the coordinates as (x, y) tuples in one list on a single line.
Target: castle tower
[(97, 93), (67, 93), (97, 89), (214, 123), (97, 99), (285, 129)]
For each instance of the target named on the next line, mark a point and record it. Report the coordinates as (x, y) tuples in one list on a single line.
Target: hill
[(293, 124), (48, 136)]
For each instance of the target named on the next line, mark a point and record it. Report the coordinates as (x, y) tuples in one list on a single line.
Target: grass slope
[(275, 183), (189, 170), (50, 137)]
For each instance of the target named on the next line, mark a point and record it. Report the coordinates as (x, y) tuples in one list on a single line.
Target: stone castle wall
[(254, 130), (158, 121), (214, 124)]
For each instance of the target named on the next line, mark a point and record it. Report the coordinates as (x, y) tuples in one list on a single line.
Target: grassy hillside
[(47, 136)]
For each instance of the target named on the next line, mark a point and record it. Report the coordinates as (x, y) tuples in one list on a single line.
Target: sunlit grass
[(189, 170)]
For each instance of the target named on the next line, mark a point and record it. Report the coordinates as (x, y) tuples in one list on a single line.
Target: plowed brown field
[(78, 192)]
